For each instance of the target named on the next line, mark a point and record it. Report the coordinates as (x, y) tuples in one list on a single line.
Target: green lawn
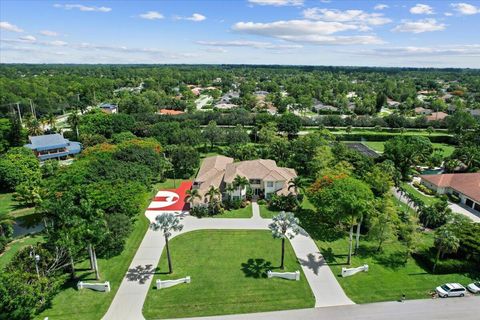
[(15, 246), (87, 304), (238, 213), (445, 149), (9, 205), (267, 213), (228, 272), (429, 200), (389, 276)]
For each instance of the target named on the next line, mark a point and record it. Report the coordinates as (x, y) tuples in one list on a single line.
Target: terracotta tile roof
[(170, 112), (437, 116), (466, 183)]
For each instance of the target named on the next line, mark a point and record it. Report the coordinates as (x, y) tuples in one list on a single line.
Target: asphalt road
[(435, 309)]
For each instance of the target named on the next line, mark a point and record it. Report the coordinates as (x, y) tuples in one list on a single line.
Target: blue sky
[(317, 32)]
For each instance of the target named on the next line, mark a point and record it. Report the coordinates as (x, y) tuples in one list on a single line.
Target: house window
[(270, 184), (254, 181)]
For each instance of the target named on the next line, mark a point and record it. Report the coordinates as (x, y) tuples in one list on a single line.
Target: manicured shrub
[(199, 211), (262, 202), (426, 259)]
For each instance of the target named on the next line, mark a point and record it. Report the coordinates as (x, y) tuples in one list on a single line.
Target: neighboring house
[(423, 111), (109, 108), (53, 146), (264, 176), (437, 116), (392, 103), (466, 186), (320, 107), (225, 100), (169, 112)]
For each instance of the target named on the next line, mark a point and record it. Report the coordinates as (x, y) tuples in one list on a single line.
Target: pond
[(28, 224)]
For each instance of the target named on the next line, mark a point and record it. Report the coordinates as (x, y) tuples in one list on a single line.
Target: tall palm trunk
[(350, 243), (282, 266), (95, 263), (357, 238), (170, 269), (90, 254), (72, 265)]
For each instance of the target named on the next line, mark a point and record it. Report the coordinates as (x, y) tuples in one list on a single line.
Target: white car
[(451, 290), (474, 287)]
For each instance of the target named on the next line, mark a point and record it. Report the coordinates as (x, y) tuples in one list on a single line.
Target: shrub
[(283, 203), (233, 204), (426, 259), (199, 211), (262, 202), (454, 198)]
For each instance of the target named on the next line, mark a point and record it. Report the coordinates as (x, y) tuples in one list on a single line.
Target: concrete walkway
[(128, 301)]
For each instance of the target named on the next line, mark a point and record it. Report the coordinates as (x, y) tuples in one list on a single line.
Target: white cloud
[(82, 7), (4, 25), (465, 8), (352, 16), (28, 38), (421, 9), (251, 44), (448, 14), (420, 26), (48, 33), (450, 50), (380, 6), (277, 3), (151, 15), (306, 31), (196, 17)]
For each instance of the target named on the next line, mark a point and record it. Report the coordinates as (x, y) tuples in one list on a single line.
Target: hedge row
[(384, 137), (426, 259)]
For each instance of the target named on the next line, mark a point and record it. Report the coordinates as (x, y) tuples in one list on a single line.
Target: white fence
[(170, 283), (94, 286), (285, 275), (346, 272)]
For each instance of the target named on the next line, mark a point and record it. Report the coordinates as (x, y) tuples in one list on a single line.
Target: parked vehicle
[(451, 290), (474, 287)]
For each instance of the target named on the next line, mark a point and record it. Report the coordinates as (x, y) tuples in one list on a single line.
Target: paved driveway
[(467, 308), (128, 301)]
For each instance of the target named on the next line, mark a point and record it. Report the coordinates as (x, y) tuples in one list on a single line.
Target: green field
[(445, 149), (228, 272), (238, 213), (267, 213), (12, 207), (15, 246), (389, 276)]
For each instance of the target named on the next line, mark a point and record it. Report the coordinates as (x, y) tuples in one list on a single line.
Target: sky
[(439, 33)]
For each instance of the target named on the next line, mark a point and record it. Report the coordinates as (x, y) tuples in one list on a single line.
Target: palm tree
[(74, 121), (167, 222), (33, 127), (229, 190), (240, 183), (284, 225), (192, 194), (213, 193), (51, 120), (297, 184), (445, 242)]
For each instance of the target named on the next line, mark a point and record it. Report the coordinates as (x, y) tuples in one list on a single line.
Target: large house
[(466, 186), (53, 146), (264, 176)]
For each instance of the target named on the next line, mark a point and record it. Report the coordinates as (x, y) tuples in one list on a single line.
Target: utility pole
[(19, 113)]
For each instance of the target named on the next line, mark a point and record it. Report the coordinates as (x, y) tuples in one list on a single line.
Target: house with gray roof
[(53, 146)]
